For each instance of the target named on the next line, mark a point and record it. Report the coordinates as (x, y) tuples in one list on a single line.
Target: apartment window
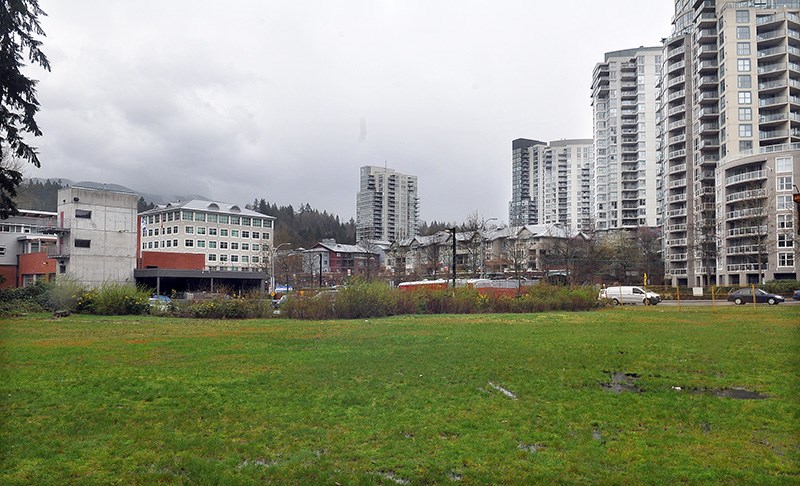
[(265, 236), (223, 232), (223, 219), (223, 245), (742, 48), (199, 216), (783, 164), (189, 230), (256, 222), (223, 258), (745, 130), (784, 183), (742, 16), (186, 216), (2, 250), (235, 233), (212, 218), (169, 243), (168, 231), (83, 214), (743, 65), (268, 224), (745, 145), (245, 246), (212, 244), (163, 244), (150, 232), (235, 220), (745, 81), (785, 259), (745, 97), (256, 235), (212, 231), (743, 32), (245, 259), (234, 246), (245, 234), (783, 201), (150, 245), (785, 221), (745, 114), (83, 243), (175, 243), (155, 232), (201, 230), (201, 243), (256, 247), (256, 259), (246, 221), (212, 257), (234, 258), (188, 243), (785, 240)]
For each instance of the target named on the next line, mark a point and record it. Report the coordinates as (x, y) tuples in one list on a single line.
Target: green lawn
[(403, 400)]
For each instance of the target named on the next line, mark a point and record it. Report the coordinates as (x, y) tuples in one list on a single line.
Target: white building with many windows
[(205, 235), (387, 205)]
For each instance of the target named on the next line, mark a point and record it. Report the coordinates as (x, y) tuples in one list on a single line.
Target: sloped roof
[(102, 186), (208, 206)]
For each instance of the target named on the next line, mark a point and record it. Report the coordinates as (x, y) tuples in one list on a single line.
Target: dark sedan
[(745, 296)]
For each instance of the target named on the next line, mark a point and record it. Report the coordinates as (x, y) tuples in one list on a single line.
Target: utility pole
[(320, 270), (453, 230)]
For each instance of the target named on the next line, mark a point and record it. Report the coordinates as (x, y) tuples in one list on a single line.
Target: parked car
[(629, 295), (796, 295), (745, 296)]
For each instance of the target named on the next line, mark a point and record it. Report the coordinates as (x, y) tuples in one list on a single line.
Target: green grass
[(157, 400)]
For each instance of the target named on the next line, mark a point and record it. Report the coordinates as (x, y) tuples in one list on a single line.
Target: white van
[(629, 295)]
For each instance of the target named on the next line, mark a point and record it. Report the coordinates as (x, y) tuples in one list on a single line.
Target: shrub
[(224, 307), (16, 301), (115, 300), (781, 287), (364, 299), (65, 295)]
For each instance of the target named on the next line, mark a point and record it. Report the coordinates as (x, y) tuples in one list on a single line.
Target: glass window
[(201, 243), (785, 221), (186, 215), (245, 246), (245, 259), (223, 245), (783, 164), (212, 231), (785, 240), (745, 97), (256, 222), (743, 32), (212, 257), (223, 258), (235, 233), (223, 232), (742, 48), (745, 130), (188, 243), (742, 16), (246, 221), (212, 244), (212, 218), (223, 219), (784, 183), (234, 246), (783, 201), (199, 216), (265, 236), (256, 259), (785, 259), (83, 213), (745, 145), (256, 247), (234, 258), (189, 230), (745, 81), (201, 230), (256, 235), (235, 220), (83, 243), (245, 234), (743, 65), (745, 114), (175, 243)]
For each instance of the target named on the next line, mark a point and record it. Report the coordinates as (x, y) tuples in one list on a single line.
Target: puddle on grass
[(622, 382)]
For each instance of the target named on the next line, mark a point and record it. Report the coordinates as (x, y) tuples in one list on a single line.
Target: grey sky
[(285, 100)]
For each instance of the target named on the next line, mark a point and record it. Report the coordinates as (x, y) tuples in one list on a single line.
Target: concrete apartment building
[(624, 104), (729, 116), (550, 183), (387, 205), (26, 243)]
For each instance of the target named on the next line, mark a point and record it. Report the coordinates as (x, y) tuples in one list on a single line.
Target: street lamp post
[(272, 252), (483, 246)]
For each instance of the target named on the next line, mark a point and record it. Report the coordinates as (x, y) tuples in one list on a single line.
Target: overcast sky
[(285, 100)]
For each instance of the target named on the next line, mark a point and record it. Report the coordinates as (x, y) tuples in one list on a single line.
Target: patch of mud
[(503, 390), (454, 476), (622, 382), (734, 393), (531, 448), (597, 436), (258, 462)]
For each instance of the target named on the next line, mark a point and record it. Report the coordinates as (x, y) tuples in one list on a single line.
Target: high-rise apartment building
[(387, 206), (624, 102), (551, 183), (729, 120)]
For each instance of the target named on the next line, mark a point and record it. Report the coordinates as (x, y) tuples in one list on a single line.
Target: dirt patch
[(503, 390), (391, 476), (735, 393), (531, 448), (622, 382)]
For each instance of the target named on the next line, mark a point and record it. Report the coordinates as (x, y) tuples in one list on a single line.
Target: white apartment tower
[(551, 183), (729, 118), (624, 102), (387, 206)]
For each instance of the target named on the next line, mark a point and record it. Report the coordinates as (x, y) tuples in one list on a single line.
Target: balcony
[(747, 267), (675, 169), (744, 195), (747, 231), (746, 213), (677, 242), (677, 257), (675, 228), (707, 67), (744, 250)]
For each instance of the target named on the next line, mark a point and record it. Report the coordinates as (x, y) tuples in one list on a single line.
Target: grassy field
[(552, 397)]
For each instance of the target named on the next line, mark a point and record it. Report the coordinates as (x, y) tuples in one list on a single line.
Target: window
[(743, 65), (785, 259), (175, 243), (174, 230), (223, 245), (246, 246), (245, 234), (212, 257), (188, 243), (223, 258), (256, 247), (83, 214), (223, 232), (745, 114), (743, 32), (212, 231), (2, 250), (150, 232), (150, 245), (223, 219), (256, 235), (245, 259), (234, 258), (212, 218), (268, 224), (169, 243), (168, 230), (189, 230), (785, 221), (256, 259), (784, 201), (745, 81), (256, 222), (83, 243), (783, 164), (235, 220), (785, 240), (246, 221), (235, 233), (201, 230), (784, 183), (199, 216), (155, 232), (742, 16), (745, 145), (745, 130), (187, 216), (745, 97), (265, 236), (742, 48), (212, 244), (201, 243), (234, 246)]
